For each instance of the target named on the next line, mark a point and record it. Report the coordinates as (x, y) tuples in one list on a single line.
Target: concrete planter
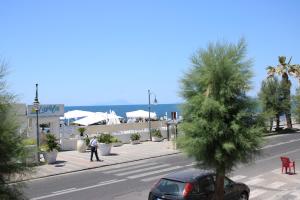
[(50, 157), (105, 149), (157, 139), (81, 146), (135, 141)]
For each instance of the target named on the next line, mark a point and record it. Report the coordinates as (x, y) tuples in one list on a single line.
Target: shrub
[(156, 133), (135, 136), (50, 143), (87, 140), (115, 140), (28, 141), (105, 138)]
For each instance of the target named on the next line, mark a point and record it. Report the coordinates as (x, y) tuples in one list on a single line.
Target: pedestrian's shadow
[(113, 154), (59, 163)]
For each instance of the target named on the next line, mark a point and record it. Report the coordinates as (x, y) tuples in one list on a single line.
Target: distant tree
[(284, 69), (297, 105), (219, 127), (271, 100), (11, 148)]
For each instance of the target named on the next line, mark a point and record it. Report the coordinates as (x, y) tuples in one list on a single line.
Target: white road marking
[(129, 168), (79, 189), (280, 143), (109, 181), (142, 170), (276, 185), (277, 171), (152, 178), (192, 164), (297, 194), (276, 156), (60, 191), (154, 172), (254, 181), (119, 166), (238, 177), (256, 192), (278, 196)]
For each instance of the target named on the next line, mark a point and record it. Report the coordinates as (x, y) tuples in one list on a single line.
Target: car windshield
[(170, 187)]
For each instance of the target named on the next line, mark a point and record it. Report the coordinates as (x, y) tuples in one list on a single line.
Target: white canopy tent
[(113, 118), (74, 114), (141, 114), (92, 119)]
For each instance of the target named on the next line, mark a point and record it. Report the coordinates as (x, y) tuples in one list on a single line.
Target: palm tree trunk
[(277, 122), (286, 86), (271, 124), (219, 187), (288, 120)]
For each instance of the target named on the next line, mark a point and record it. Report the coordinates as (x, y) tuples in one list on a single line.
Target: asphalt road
[(132, 181)]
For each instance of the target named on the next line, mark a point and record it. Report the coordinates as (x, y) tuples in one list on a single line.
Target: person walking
[(94, 147)]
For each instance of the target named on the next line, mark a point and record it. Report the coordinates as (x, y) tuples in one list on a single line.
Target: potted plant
[(156, 135), (116, 142), (105, 143), (81, 144), (87, 141), (50, 148), (81, 131), (135, 138)]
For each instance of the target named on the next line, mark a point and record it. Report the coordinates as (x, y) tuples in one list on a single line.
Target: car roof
[(188, 175)]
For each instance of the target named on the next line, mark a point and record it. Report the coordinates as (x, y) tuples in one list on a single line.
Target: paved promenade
[(71, 161)]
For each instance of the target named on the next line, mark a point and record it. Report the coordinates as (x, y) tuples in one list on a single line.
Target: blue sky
[(111, 52)]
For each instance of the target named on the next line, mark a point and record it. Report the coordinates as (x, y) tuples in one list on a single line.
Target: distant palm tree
[(284, 69)]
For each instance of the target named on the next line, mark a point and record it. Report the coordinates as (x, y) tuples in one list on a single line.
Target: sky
[(112, 52)]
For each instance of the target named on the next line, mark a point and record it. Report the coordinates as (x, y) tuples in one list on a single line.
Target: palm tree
[(285, 70), (219, 129)]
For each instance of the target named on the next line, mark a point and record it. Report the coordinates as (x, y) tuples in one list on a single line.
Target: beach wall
[(67, 131), (70, 135)]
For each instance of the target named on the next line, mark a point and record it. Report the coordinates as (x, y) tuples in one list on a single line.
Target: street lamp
[(149, 107), (36, 107)]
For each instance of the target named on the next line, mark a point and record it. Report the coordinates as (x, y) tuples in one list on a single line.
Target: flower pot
[(50, 157), (81, 146), (117, 144), (156, 139), (105, 149), (135, 141)]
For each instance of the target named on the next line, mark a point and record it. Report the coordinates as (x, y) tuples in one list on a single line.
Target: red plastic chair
[(286, 163)]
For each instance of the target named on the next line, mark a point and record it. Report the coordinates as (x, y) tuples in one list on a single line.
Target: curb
[(84, 169)]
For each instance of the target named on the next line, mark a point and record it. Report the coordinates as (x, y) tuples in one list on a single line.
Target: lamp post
[(149, 108), (36, 106)]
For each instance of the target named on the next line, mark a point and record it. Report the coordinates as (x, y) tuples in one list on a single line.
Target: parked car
[(195, 184)]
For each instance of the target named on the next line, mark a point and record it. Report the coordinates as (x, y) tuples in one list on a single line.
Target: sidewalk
[(72, 161)]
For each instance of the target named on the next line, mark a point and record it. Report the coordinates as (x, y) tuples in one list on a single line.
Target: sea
[(161, 110)]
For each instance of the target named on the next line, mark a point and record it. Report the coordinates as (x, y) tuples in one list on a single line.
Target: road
[(132, 181)]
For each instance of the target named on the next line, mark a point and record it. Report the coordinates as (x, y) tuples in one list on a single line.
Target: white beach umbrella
[(141, 114), (73, 114)]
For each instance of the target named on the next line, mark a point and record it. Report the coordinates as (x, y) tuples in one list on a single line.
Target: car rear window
[(170, 187)]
